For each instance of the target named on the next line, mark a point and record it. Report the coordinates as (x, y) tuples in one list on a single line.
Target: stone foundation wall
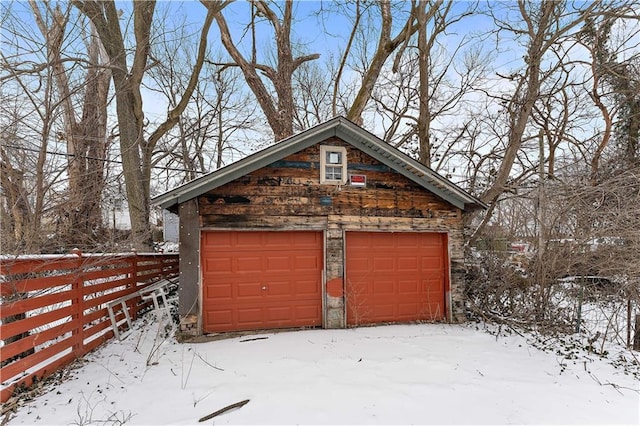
[(189, 325)]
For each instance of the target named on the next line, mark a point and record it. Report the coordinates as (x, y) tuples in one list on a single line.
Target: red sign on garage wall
[(358, 180)]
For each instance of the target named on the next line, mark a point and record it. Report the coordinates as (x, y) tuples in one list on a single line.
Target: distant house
[(116, 214), (329, 228), (170, 225), (116, 217)]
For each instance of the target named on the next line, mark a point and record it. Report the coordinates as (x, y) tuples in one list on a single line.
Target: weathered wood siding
[(291, 187), (287, 195)]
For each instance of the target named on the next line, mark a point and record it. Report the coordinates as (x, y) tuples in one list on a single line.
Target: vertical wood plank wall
[(189, 233)]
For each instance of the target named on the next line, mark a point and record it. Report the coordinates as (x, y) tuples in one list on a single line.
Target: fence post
[(133, 303), (636, 337), (579, 313), (78, 300), (629, 321), (134, 274)]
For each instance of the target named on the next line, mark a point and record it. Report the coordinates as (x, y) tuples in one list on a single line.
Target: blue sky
[(312, 33), (315, 32)]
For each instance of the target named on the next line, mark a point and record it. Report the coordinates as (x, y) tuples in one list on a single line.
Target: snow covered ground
[(412, 374)]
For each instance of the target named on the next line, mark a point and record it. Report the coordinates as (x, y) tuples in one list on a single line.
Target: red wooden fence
[(53, 307)]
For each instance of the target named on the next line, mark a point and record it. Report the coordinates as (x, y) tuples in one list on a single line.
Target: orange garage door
[(260, 280), (395, 277)]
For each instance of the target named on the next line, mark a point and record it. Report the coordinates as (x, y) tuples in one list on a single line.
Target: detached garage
[(328, 228)]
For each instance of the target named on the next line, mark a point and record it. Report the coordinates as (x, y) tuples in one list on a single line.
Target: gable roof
[(343, 129)]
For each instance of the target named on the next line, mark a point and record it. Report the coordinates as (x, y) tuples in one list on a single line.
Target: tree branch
[(174, 115)]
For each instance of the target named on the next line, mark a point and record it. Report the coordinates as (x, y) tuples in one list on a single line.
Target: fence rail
[(53, 307)]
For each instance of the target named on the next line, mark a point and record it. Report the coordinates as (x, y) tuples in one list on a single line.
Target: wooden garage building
[(329, 228)]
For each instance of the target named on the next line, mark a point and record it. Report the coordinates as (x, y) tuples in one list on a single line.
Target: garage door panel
[(408, 263), (219, 291), (219, 265), (246, 240), (383, 287), (248, 290), (411, 241), (284, 288), (307, 312), (383, 264), (247, 316), (433, 295), (383, 311), (279, 313), (407, 310), (409, 287), (248, 264), (310, 240), (274, 280), (278, 264), (382, 240), (359, 264), (308, 288), (213, 242), (223, 317), (431, 262), (433, 311), (277, 239), (429, 239), (395, 277), (308, 263)]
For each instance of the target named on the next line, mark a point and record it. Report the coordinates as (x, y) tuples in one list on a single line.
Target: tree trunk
[(94, 128), (12, 184), (278, 112), (386, 46), (424, 116), (135, 150), (544, 29), (130, 135), (523, 99), (86, 139)]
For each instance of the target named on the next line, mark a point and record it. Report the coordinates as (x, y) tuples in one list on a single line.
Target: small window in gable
[(333, 165)]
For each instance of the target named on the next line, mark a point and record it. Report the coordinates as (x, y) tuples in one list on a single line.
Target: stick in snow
[(255, 338), (224, 410)]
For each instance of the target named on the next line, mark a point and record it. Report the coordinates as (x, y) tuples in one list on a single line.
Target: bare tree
[(29, 117), (387, 45), (357, 15), (544, 26), (16, 219), (279, 110), (594, 39), (312, 87), (421, 103), (442, 18), (136, 148), (85, 131), (212, 129)]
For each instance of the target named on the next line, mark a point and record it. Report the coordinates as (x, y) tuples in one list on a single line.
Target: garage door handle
[(264, 287)]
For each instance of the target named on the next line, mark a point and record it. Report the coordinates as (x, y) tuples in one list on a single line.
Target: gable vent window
[(333, 164)]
